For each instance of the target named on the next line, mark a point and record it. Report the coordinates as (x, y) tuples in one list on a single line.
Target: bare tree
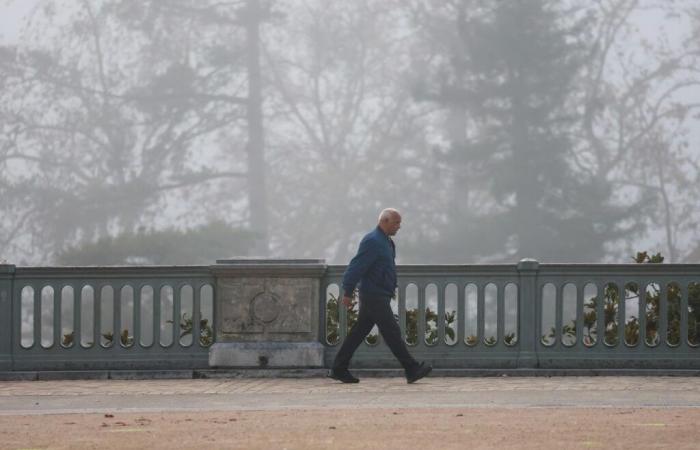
[(346, 137), (637, 110), (118, 112)]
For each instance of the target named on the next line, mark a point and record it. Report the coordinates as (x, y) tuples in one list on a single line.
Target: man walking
[(374, 268)]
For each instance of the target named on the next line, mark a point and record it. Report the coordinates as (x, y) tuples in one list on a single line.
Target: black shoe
[(418, 373), (344, 376)]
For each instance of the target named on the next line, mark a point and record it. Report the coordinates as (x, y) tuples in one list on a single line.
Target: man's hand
[(347, 301)]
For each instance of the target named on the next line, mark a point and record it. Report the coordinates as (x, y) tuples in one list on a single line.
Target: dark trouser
[(375, 311)]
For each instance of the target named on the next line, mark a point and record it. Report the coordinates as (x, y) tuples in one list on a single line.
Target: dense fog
[(182, 131)]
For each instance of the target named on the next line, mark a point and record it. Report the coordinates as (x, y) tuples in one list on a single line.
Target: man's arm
[(365, 257)]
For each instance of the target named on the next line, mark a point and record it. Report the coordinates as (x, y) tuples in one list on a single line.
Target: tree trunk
[(257, 192)]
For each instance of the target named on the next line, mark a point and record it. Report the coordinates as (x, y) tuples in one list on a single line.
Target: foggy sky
[(322, 196)]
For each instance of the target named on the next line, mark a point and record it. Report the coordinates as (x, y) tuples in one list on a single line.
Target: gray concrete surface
[(97, 396)]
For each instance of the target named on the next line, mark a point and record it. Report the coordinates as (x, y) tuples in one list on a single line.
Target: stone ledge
[(259, 267), (270, 261), (321, 373), (261, 373)]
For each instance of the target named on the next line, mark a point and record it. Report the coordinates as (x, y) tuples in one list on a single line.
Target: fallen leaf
[(127, 430)]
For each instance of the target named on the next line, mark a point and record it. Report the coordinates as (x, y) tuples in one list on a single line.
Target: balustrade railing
[(635, 316), (456, 316), (111, 318), (531, 315)]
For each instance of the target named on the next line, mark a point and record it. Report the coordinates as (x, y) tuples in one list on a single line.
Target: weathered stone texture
[(266, 354), (279, 309)]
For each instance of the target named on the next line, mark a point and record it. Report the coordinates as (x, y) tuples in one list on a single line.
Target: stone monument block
[(267, 313)]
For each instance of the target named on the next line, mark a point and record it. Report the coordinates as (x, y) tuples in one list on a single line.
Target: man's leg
[(353, 340), (389, 328)]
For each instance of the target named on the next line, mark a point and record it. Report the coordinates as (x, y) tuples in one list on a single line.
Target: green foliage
[(650, 307), (124, 337), (68, 339), (643, 257), (206, 332), (431, 326), (202, 245)]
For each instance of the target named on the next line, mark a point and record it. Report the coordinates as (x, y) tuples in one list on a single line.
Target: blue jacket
[(373, 267)]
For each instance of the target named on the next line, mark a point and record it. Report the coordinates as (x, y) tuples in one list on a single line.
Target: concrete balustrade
[(267, 314)]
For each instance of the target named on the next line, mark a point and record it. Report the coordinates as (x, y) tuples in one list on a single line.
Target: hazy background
[(181, 131)]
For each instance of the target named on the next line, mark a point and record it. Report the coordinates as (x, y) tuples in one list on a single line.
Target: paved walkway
[(397, 410), (51, 397)]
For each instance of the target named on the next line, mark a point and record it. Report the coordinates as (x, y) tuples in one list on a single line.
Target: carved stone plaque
[(280, 308), (265, 307)]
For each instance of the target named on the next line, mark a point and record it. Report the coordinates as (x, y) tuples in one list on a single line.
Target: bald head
[(390, 221)]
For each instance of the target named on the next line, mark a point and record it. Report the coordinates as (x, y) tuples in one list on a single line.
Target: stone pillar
[(529, 313), (7, 273), (267, 313)]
